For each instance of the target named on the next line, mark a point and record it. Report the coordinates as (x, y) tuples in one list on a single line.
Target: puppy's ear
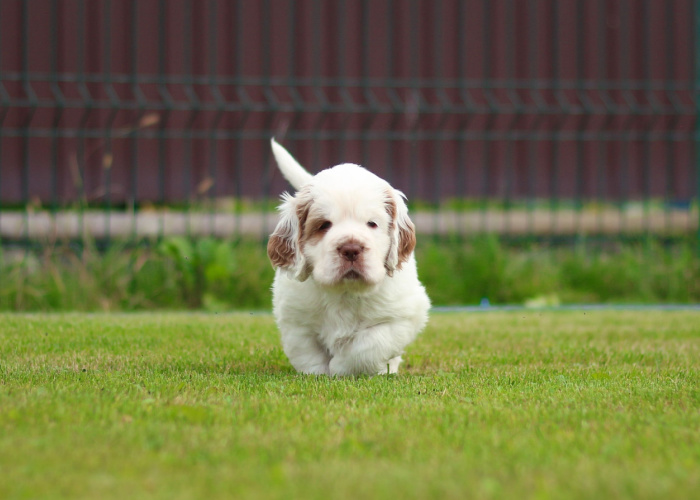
[(283, 247), (402, 232)]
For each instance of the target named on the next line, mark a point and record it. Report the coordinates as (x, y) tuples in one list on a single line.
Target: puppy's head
[(347, 227)]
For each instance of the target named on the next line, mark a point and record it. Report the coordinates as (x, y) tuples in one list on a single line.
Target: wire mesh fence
[(540, 119)]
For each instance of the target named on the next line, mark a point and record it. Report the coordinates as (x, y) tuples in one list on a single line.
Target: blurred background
[(548, 147)]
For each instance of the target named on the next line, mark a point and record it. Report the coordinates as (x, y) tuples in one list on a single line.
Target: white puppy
[(346, 294)]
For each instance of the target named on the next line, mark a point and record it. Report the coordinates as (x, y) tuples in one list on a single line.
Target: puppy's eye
[(372, 224), (325, 226)]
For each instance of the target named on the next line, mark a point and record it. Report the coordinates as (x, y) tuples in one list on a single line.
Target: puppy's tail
[(290, 168)]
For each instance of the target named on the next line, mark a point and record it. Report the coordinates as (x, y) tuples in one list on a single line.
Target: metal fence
[(547, 118)]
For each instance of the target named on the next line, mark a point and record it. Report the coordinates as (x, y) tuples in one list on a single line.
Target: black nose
[(350, 251)]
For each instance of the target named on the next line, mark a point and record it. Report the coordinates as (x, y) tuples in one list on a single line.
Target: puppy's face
[(346, 228)]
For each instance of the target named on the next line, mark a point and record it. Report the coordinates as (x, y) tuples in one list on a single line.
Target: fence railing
[(545, 118)]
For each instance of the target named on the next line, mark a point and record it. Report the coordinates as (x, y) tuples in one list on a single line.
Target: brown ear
[(407, 240), (280, 250), (402, 232), (283, 247)]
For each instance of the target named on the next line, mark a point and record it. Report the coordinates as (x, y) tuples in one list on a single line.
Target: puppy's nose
[(350, 251)]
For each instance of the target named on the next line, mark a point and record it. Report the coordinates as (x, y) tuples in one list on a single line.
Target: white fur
[(339, 316)]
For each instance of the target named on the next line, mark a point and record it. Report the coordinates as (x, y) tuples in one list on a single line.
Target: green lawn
[(488, 405)]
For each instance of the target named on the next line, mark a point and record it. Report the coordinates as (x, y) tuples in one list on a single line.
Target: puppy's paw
[(322, 369), (338, 367), (392, 366)]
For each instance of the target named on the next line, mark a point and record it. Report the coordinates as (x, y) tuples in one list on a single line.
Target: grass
[(535, 404), (219, 275)]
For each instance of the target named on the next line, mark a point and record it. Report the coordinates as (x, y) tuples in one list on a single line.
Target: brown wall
[(156, 100)]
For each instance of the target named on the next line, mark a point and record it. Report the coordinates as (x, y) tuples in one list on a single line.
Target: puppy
[(346, 295)]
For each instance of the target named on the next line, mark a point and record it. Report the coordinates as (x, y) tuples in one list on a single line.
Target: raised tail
[(290, 168)]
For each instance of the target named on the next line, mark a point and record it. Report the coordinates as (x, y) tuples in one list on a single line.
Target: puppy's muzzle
[(350, 251)]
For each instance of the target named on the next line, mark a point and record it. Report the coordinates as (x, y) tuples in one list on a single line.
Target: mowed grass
[(488, 405)]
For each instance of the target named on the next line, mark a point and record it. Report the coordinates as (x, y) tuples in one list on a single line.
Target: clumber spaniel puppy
[(346, 294)]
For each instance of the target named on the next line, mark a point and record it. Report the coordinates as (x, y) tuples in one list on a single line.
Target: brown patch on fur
[(303, 215), (311, 231), (313, 234), (407, 232), (281, 247), (407, 242)]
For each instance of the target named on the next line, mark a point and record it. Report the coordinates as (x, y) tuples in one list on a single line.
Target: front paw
[(339, 367), (316, 370), (343, 366), (391, 367)]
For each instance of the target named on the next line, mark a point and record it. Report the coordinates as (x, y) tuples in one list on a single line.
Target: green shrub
[(212, 274), (465, 272)]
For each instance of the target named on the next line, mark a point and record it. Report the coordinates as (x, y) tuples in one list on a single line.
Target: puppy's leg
[(373, 350), (393, 365), (306, 354)]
